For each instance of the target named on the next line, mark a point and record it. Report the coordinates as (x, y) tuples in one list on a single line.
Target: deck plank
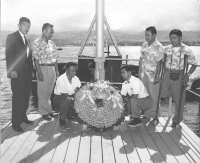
[(29, 143), (10, 139), (61, 149), (151, 146), (108, 153), (189, 135), (84, 149), (73, 148), (5, 132), (39, 146), (51, 145), (129, 146), (179, 141), (139, 144), (96, 148), (120, 153), (17, 144), (172, 145), (164, 150)]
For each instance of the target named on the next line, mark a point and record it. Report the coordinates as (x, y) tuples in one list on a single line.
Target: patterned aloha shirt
[(150, 55), (176, 64), (45, 53)]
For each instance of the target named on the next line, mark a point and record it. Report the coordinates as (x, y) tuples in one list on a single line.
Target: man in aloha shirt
[(151, 53), (175, 61), (45, 56)]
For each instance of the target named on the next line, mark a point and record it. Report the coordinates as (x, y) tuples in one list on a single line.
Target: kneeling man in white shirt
[(65, 88), (138, 97)]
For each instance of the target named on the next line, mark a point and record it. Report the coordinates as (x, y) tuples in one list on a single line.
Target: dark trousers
[(64, 104), (171, 88), (21, 89)]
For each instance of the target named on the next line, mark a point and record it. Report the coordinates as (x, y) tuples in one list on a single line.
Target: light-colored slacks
[(171, 88), (45, 88), (139, 104), (153, 91)]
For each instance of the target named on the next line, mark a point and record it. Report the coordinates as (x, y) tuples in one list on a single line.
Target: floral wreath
[(99, 105)]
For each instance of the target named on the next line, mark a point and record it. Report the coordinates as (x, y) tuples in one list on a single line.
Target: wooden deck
[(46, 142)]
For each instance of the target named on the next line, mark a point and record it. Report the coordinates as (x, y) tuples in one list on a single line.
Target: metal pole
[(88, 34), (112, 37), (99, 65)]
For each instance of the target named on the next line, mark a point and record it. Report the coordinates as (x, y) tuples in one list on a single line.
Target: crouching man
[(64, 90), (138, 97)]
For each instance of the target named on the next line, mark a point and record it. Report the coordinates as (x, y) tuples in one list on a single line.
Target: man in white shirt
[(138, 97), (65, 88)]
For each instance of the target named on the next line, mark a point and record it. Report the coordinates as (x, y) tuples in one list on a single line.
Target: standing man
[(149, 68), (45, 56), (174, 70), (66, 86), (139, 99), (19, 69)]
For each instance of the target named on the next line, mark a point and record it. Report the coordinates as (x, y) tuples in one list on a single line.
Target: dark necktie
[(26, 45)]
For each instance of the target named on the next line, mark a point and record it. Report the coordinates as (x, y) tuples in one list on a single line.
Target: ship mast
[(99, 50)]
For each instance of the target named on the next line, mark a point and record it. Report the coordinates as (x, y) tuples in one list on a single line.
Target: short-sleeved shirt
[(45, 53), (64, 86), (134, 86), (175, 56), (150, 55)]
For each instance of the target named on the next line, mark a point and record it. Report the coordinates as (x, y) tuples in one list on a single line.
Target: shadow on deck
[(48, 142)]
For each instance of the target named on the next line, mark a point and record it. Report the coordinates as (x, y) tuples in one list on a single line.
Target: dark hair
[(176, 32), (46, 25), (152, 29), (24, 19), (126, 67), (68, 65)]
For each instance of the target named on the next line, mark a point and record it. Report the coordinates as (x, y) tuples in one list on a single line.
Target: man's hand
[(185, 81), (13, 74), (57, 74), (40, 76), (156, 80)]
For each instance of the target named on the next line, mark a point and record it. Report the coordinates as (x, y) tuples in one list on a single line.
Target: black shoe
[(17, 128), (62, 122), (46, 117), (28, 121), (53, 115), (174, 124), (135, 122)]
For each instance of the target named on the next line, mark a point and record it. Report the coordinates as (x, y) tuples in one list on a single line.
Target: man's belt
[(46, 64)]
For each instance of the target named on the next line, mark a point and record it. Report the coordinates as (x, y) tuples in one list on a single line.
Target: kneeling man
[(65, 88), (138, 97)]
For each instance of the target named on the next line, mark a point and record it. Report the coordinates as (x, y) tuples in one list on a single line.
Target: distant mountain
[(123, 38)]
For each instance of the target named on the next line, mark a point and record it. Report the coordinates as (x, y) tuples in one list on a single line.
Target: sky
[(122, 15)]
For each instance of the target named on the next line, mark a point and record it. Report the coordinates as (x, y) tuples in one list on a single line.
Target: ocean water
[(133, 52)]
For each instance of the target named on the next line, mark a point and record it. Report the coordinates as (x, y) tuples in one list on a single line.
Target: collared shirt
[(22, 35), (150, 55), (64, 86), (175, 56), (45, 53), (134, 86)]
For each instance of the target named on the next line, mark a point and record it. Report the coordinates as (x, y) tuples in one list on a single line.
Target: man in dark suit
[(19, 69)]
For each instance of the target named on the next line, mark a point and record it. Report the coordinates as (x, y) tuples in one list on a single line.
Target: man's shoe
[(174, 124), (46, 117), (53, 115), (62, 122), (28, 122), (135, 122), (18, 128)]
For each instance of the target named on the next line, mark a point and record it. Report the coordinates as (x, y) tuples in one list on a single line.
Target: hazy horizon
[(128, 16)]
